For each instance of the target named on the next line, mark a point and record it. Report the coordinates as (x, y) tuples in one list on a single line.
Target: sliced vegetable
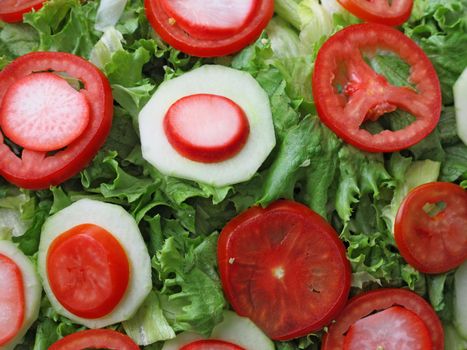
[(211, 344), (460, 91), (13, 10), (20, 297), (430, 227), (42, 112), (460, 300), (365, 304), (391, 13), (206, 128), (70, 242), (271, 260), (182, 339), (212, 80), (393, 328), (38, 170), (348, 92), (209, 28), (95, 339)]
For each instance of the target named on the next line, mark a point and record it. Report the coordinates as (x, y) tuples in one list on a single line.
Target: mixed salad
[(228, 175)]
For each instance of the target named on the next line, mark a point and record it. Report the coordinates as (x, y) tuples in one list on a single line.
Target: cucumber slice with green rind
[(123, 227), (460, 300), (238, 86), (32, 289)]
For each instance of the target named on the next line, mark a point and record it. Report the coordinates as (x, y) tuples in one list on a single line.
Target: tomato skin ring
[(347, 126), (17, 15), (361, 10), (380, 299), (182, 41), (36, 170), (95, 339)]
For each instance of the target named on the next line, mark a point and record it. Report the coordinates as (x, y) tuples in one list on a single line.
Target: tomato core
[(206, 128), (211, 344), (12, 299), (88, 271)]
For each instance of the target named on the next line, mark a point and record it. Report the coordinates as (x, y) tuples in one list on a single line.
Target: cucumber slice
[(242, 331), (238, 86), (460, 101), (181, 340), (32, 289), (124, 228), (460, 300)]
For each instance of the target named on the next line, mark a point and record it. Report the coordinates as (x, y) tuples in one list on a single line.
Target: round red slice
[(348, 92), (211, 344), (211, 19), (209, 28), (13, 10), (365, 304), (206, 128), (42, 112), (39, 169), (395, 328), (95, 339), (88, 271), (391, 13), (12, 300), (285, 268), (432, 239)]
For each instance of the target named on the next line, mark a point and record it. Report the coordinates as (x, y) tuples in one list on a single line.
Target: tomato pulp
[(285, 268), (348, 92), (95, 339)]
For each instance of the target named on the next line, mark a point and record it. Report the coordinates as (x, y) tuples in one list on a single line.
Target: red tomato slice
[(208, 35), (365, 304), (348, 92), (211, 19), (211, 344), (53, 115), (391, 13), (95, 339), (285, 268), (12, 302), (88, 271), (39, 170), (206, 128), (433, 243), (395, 328), (13, 10)]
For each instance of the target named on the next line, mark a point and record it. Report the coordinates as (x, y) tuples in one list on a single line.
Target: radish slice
[(42, 112), (211, 19), (206, 128)]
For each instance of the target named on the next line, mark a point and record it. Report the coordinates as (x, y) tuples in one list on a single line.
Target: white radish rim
[(32, 289), (216, 80), (123, 227)]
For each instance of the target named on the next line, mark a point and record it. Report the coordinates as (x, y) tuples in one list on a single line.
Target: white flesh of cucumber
[(123, 227), (233, 329), (460, 101), (238, 86), (32, 289), (460, 300)]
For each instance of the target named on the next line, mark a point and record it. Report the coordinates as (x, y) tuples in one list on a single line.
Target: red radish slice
[(395, 328), (42, 112), (211, 19), (206, 128), (12, 301)]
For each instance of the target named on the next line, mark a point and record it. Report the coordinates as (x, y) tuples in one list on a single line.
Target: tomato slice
[(348, 92), (433, 243), (211, 344), (206, 128), (12, 299), (395, 328), (391, 13), (13, 10), (39, 169), (88, 271), (285, 268), (367, 303), (95, 339), (209, 28)]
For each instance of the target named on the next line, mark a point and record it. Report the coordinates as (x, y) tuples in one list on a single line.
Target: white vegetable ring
[(238, 86)]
